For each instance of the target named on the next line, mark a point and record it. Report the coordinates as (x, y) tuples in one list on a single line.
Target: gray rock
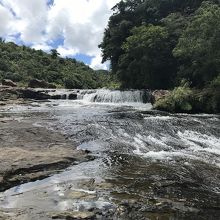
[(8, 82), (32, 94), (73, 96)]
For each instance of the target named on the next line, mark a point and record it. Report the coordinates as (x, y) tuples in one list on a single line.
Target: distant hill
[(21, 64)]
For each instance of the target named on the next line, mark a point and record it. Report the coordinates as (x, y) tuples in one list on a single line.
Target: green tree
[(2, 40), (173, 14), (54, 53), (175, 23), (146, 62), (198, 48), (130, 13)]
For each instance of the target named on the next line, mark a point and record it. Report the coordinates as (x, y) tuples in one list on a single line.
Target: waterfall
[(101, 95), (114, 96)]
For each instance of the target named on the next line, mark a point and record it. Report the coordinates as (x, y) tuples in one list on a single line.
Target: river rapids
[(145, 164)]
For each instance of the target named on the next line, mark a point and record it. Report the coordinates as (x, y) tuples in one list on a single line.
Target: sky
[(74, 27)]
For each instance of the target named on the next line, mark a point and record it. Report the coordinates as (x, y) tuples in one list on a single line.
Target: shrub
[(210, 97), (179, 100), (184, 99)]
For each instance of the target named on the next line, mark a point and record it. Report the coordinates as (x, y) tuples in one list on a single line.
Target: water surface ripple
[(148, 165)]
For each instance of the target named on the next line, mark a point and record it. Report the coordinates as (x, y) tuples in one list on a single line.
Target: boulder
[(158, 94), (58, 96), (72, 96), (35, 83), (8, 93), (8, 82), (33, 94)]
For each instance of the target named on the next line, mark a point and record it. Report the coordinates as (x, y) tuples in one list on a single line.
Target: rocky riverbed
[(64, 159)]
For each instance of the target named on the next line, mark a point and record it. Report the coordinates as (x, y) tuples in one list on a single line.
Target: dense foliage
[(199, 46), (138, 66), (21, 64), (192, 100), (157, 43), (180, 100)]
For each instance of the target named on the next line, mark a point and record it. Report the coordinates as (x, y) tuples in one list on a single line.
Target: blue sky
[(50, 2), (73, 27)]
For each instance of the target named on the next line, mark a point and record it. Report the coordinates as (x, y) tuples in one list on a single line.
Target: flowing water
[(147, 164)]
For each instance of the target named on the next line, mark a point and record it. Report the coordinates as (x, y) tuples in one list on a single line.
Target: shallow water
[(147, 165)]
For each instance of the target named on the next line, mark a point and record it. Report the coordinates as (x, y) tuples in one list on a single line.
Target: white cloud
[(80, 23), (30, 18), (65, 52), (6, 20), (43, 47), (97, 65)]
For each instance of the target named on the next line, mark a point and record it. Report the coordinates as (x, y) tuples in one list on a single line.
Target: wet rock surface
[(30, 152), (10, 95), (33, 94), (74, 215), (146, 164)]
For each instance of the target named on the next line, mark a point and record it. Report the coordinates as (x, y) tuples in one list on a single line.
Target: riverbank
[(184, 99), (181, 100), (19, 95)]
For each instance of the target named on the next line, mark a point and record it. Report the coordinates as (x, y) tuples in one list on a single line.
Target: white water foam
[(196, 146), (114, 96), (201, 142), (164, 118)]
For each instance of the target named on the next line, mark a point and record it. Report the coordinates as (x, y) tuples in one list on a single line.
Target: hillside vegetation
[(21, 64)]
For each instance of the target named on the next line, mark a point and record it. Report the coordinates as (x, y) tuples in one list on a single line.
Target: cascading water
[(101, 95), (144, 164), (115, 96)]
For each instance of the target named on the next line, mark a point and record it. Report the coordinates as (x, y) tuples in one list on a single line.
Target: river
[(146, 164)]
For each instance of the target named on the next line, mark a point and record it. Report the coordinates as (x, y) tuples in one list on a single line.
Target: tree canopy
[(138, 66), (157, 43), (199, 46)]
